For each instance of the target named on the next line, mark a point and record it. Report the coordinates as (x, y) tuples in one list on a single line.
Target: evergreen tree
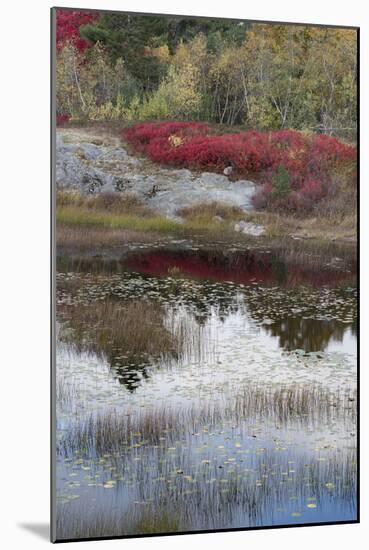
[(281, 183)]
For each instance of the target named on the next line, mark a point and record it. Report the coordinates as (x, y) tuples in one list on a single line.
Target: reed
[(269, 490), (296, 404)]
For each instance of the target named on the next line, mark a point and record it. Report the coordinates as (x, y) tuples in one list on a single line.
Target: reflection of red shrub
[(308, 159)]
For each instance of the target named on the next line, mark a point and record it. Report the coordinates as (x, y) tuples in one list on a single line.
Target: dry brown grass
[(109, 203), (90, 223), (86, 238), (315, 227), (206, 211)]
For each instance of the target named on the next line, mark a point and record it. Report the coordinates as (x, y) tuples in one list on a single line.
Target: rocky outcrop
[(249, 228), (97, 168)]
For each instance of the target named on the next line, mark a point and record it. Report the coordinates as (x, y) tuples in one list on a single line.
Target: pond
[(200, 389)]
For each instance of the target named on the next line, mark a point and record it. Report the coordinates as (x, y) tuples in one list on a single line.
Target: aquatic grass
[(143, 519), (180, 490), (305, 405), (66, 392), (154, 521)]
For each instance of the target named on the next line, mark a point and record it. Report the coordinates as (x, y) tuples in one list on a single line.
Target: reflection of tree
[(306, 334), (280, 271), (128, 334), (296, 315), (129, 373)]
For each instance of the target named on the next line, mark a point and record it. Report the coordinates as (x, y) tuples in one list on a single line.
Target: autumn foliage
[(61, 120), (68, 23), (309, 161)]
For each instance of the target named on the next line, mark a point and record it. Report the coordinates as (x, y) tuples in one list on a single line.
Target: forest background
[(113, 66)]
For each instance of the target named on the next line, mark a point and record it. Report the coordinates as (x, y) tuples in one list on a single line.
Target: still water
[(202, 390)]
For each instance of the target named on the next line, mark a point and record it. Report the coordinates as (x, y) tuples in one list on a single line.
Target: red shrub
[(263, 197), (68, 23), (329, 150), (308, 160), (288, 139), (313, 189), (141, 135), (62, 119)]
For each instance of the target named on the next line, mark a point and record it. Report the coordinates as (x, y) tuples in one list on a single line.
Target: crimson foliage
[(68, 23), (310, 160), (62, 119)]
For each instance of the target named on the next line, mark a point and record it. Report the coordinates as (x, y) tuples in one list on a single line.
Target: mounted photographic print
[(204, 239)]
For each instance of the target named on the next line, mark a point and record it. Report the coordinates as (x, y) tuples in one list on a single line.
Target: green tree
[(281, 183), (131, 38)]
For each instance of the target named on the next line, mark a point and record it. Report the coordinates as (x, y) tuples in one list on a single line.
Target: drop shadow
[(42, 530)]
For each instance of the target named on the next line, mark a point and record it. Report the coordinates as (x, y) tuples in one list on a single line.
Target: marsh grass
[(145, 520), (153, 521), (66, 392), (92, 222), (163, 460), (113, 203), (125, 211), (327, 224), (85, 239), (300, 404), (175, 493), (73, 215)]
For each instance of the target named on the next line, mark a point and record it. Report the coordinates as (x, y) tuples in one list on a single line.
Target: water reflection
[(192, 310), (220, 264), (312, 334), (248, 266), (216, 478), (203, 391)]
